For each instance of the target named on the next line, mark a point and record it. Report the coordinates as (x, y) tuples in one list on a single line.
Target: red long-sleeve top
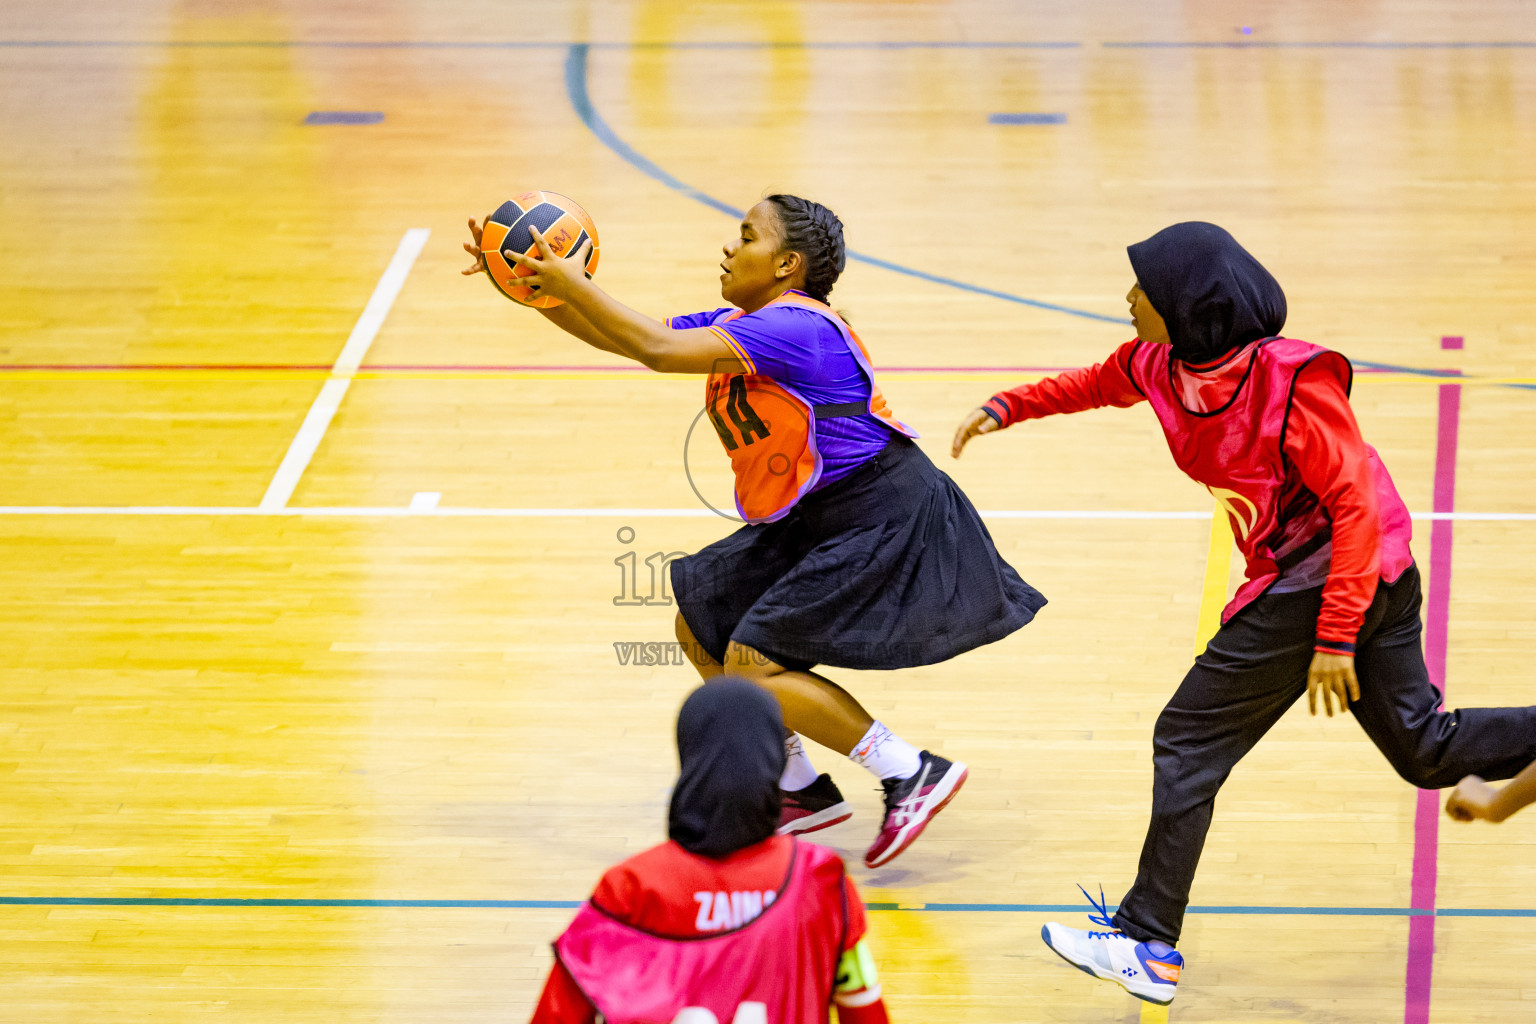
[(1322, 443)]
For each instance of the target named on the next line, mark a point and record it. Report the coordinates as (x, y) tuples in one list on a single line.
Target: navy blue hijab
[(730, 739), (1213, 295)]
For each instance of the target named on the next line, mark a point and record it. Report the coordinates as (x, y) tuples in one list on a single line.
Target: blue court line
[(576, 65), (581, 101), (1077, 908), (995, 908), (222, 901), (523, 44), (1259, 44), (345, 117), (1414, 370), (576, 88), (743, 44), (1027, 118)]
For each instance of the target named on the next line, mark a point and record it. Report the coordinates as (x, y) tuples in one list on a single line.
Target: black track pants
[(1254, 669)]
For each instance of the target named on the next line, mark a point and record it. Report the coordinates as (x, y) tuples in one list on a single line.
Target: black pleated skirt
[(888, 568)]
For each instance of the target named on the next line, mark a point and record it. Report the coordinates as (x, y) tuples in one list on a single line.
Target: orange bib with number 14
[(769, 430)]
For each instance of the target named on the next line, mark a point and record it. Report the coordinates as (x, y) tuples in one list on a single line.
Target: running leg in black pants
[(1252, 671)]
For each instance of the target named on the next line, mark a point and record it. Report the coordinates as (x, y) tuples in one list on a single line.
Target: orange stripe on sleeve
[(740, 352)]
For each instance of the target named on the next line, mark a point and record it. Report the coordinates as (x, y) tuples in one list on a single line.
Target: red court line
[(139, 367), (1426, 817), (497, 368), (468, 367)]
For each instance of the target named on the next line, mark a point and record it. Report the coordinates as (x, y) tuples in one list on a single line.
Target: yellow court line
[(1213, 598), (1218, 569)]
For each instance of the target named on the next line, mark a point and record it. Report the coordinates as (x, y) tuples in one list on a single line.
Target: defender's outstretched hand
[(977, 421)]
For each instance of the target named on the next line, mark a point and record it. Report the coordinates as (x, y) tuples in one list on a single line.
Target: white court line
[(315, 424), (424, 501), (420, 509)]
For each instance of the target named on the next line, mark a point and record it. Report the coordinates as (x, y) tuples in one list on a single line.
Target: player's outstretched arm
[(1473, 798), (1092, 387), (592, 315), (625, 331)]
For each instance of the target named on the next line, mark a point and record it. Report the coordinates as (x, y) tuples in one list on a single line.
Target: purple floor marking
[(344, 117), (1426, 818), (1027, 118)]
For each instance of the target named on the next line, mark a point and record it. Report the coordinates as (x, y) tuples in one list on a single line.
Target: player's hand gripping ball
[(564, 225)]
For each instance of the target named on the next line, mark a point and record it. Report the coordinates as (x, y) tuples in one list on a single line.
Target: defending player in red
[(1331, 601), (726, 916)]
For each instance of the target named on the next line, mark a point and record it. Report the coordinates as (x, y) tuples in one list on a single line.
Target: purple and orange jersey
[(803, 350)]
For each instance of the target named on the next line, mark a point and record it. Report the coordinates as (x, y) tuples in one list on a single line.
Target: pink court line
[(467, 367), (1426, 817), (142, 367), (492, 368)]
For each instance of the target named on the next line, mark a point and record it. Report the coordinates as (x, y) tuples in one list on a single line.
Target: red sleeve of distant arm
[(563, 1002), (1323, 442), (874, 1013), (1106, 383), (857, 995)]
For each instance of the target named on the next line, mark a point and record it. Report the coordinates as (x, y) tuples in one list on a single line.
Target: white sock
[(886, 754), (798, 771)]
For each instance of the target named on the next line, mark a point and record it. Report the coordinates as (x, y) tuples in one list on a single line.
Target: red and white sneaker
[(910, 805), (819, 805)]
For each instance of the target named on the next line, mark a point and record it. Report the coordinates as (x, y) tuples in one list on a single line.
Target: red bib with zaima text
[(778, 966)]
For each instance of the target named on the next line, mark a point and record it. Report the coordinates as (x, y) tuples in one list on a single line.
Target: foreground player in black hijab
[(726, 914)]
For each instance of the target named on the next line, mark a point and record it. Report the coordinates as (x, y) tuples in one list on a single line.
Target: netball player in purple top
[(857, 552)]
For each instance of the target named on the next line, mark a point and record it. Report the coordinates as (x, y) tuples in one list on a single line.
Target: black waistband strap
[(827, 412)]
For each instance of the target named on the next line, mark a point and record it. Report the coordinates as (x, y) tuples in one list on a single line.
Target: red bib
[(769, 429), (779, 966), (1237, 453)]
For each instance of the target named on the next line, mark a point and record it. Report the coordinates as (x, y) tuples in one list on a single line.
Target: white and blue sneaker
[(1147, 970)]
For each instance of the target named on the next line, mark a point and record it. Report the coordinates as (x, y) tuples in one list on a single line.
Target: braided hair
[(814, 232)]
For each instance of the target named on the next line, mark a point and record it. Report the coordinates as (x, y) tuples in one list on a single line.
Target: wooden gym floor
[(313, 620)]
